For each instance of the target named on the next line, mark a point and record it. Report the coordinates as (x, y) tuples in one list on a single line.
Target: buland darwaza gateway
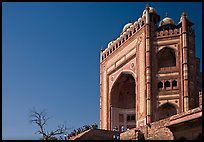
[(151, 72)]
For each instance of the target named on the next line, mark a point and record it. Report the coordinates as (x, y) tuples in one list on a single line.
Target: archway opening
[(122, 102), (166, 58), (174, 84), (166, 110), (160, 85), (167, 85)]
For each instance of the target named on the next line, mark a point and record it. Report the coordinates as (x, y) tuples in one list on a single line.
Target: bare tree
[(40, 119)]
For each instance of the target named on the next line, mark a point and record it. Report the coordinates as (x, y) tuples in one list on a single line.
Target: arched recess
[(166, 57), (174, 84), (160, 85), (122, 102), (166, 110)]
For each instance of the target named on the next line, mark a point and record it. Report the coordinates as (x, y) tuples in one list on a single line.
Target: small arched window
[(174, 83), (128, 117), (167, 84), (160, 85)]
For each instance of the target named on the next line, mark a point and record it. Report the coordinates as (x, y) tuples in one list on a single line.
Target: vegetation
[(40, 119)]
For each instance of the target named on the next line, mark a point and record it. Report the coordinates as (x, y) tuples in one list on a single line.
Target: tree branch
[(40, 119)]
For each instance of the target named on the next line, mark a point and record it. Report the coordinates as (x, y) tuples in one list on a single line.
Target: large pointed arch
[(123, 101), (122, 73), (166, 57), (166, 110)]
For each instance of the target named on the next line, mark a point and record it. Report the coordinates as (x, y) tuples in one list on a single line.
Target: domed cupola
[(110, 43), (126, 26), (151, 10), (154, 16), (166, 21)]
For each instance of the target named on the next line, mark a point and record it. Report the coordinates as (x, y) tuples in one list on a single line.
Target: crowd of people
[(80, 130)]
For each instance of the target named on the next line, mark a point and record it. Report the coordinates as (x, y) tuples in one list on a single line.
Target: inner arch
[(166, 110), (166, 58), (123, 102)]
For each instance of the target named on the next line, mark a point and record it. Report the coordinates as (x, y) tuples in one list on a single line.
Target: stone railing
[(170, 68), (171, 32)]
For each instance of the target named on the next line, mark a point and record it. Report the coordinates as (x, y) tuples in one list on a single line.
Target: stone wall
[(160, 130), (184, 125), (154, 131)]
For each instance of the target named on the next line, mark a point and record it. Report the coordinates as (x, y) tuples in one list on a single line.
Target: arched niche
[(122, 102), (166, 57), (166, 110)]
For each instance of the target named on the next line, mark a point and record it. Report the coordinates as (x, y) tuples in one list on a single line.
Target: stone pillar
[(104, 103), (200, 99), (185, 63), (171, 87), (101, 91), (148, 69), (163, 84)]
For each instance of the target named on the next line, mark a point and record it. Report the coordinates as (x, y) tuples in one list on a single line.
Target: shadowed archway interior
[(166, 58), (123, 102), (166, 110)]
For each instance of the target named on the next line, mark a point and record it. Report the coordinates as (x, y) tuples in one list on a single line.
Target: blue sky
[(50, 57)]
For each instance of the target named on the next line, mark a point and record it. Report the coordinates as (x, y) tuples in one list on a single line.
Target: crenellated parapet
[(169, 32), (128, 31)]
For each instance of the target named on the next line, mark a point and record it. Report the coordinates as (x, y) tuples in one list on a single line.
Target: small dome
[(110, 43), (151, 10), (127, 26), (166, 21)]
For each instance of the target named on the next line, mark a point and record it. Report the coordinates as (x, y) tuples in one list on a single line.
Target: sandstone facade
[(149, 73)]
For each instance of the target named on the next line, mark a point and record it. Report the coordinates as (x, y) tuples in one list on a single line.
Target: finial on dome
[(183, 13), (147, 6), (166, 14)]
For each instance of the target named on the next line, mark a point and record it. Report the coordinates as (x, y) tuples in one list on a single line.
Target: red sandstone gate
[(146, 69)]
